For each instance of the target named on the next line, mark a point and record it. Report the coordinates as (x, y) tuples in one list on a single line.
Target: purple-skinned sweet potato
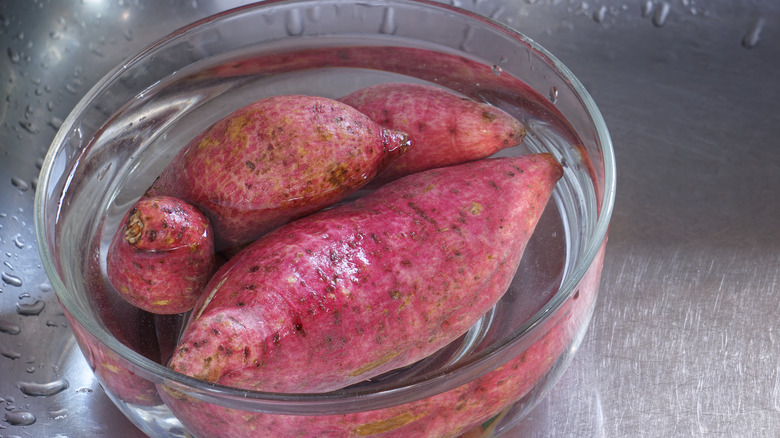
[(162, 255), (445, 128), (369, 286), (276, 160), (449, 414)]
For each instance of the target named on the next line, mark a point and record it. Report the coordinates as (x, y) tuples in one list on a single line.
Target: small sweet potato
[(275, 160), (446, 128), (369, 286), (162, 255)]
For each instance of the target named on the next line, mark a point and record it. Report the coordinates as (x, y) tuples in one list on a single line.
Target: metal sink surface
[(684, 338)]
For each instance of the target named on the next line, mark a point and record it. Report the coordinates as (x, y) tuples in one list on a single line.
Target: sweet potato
[(275, 160), (443, 415), (368, 286), (162, 255), (446, 128)]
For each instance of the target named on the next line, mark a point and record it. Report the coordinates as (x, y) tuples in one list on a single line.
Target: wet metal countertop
[(684, 338)]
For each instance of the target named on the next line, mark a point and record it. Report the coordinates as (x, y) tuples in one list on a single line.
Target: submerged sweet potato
[(446, 128), (275, 160), (162, 255), (351, 292)]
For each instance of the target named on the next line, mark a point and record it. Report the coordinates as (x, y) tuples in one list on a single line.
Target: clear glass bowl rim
[(445, 380)]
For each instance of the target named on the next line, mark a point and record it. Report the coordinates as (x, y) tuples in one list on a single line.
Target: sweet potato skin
[(275, 160), (446, 128), (351, 292), (162, 255)]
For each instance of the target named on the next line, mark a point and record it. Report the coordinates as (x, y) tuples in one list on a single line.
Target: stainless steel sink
[(684, 340)]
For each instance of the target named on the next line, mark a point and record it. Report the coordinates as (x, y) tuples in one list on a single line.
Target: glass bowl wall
[(131, 124)]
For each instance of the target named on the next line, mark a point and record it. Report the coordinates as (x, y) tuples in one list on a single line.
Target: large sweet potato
[(446, 128), (351, 292), (162, 255), (275, 160)]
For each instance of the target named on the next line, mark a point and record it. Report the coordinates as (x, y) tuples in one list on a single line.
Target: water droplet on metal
[(55, 35), (661, 14), (55, 122), (20, 184), (9, 328), (14, 55), (647, 8), (43, 389), (753, 34), (294, 22), (388, 25), (13, 355), (553, 95), (496, 69), (11, 279), (18, 242), (599, 14), (315, 13), (29, 127), (19, 418), (32, 309), (58, 414)]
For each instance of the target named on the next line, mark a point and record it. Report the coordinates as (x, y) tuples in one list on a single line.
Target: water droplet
[(50, 323), (647, 8), (128, 34), (661, 14), (553, 95), (43, 389), (13, 355), (315, 13), (18, 241), (20, 184), (55, 35), (496, 69), (19, 418), (753, 34), (14, 55), (103, 172), (58, 414), (388, 25), (9, 328), (30, 309), (599, 14), (85, 390), (29, 127), (11, 279), (294, 22)]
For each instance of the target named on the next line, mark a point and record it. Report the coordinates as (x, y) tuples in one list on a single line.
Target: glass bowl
[(131, 124)]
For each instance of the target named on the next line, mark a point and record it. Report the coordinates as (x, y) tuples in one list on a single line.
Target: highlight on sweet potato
[(446, 128), (162, 255), (369, 286), (275, 160)]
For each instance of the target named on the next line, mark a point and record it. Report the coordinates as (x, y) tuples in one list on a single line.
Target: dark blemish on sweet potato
[(254, 268), (338, 176), (421, 212), (488, 117), (276, 338)]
